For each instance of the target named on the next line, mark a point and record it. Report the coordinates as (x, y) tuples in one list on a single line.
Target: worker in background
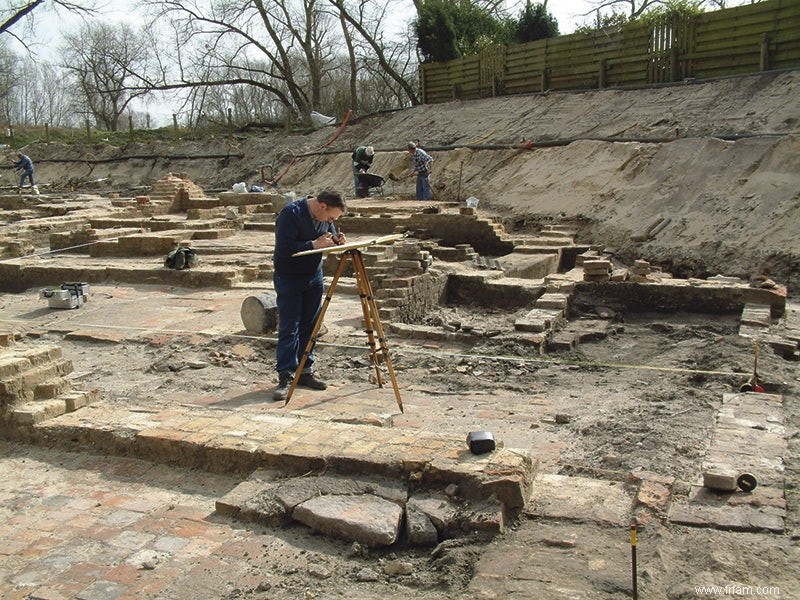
[(24, 164), (362, 161), (421, 167), (305, 224)]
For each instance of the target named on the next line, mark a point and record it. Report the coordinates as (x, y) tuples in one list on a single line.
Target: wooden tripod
[(372, 323)]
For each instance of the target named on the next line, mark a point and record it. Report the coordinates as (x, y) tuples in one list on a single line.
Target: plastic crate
[(58, 298), (69, 295)]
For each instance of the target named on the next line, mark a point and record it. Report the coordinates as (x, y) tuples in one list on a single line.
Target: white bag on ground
[(320, 120)]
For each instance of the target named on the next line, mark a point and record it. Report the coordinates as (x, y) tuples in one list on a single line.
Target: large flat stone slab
[(580, 499), (365, 518)]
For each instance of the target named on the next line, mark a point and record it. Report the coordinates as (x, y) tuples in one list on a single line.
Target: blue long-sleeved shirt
[(24, 163), (295, 231)]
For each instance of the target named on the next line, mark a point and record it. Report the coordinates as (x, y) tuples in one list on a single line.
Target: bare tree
[(9, 81), (46, 99), (305, 54), (368, 22), (493, 6), (17, 14), (101, 59), (353, 65), (31, 92), (13, 14), (634, 9), (631, 8), (283, 47)]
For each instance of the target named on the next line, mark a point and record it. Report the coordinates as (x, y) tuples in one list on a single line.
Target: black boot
[(309, 380), (284, 383)]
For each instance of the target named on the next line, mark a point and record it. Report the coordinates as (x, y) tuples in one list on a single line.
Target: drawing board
[(352, 245)]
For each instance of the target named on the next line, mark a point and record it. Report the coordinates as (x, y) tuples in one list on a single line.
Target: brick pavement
[(100, 528)]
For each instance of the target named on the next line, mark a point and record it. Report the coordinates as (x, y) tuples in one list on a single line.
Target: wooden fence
[(734, 41)]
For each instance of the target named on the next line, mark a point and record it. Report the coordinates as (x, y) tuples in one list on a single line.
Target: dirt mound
[(717, 162)]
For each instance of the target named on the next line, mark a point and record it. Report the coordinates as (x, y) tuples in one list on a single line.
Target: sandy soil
[(719, 160)]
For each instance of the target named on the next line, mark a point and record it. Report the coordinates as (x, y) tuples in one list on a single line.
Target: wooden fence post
[(47, 133), (601, 74), (763, 63), (230, 125), (674, 64), (130, 128), (88, 132), (543, 82)]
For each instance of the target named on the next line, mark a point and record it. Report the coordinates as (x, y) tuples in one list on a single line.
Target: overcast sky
[(569, 13)]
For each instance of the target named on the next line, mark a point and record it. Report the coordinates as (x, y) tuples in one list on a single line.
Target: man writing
[(304, 224)]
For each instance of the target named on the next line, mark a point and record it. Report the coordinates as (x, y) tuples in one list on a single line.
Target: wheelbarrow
[(366, 181)]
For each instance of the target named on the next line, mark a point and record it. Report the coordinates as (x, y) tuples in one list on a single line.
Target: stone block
[(366, 519), (538, 320), (598, 277), (419, 528), (553, 301), (35, 412), (719, 477), (52, 388), (620, 274)]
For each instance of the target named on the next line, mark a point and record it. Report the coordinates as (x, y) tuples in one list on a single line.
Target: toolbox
[(69, 295)]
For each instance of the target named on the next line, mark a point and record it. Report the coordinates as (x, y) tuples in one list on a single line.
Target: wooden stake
[(633, 563)]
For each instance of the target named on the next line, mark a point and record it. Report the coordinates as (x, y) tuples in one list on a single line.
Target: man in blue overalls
[(25, 164), (305, 224)]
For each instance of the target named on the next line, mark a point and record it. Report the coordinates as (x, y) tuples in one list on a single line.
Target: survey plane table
[(353, 245), (372, 323)]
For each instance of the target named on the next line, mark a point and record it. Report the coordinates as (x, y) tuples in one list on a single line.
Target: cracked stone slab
[(580, 499), (365, 518)]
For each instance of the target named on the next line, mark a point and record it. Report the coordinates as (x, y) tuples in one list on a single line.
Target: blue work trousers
[(423, 186), (299, 300), (26, 175)]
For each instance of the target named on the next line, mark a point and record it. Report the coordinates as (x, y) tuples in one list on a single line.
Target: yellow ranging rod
[(752, 385), (369, 309)]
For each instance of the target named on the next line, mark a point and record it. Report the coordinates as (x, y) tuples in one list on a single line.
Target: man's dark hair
[(331, 198)]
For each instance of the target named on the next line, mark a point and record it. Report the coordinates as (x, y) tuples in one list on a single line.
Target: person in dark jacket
[(25, 164), (304, 224), (362, 161)]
